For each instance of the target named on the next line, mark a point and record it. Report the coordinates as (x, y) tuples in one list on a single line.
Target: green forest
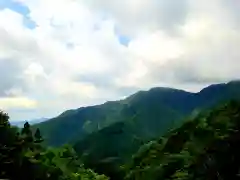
[(154, 137), (23, 157)]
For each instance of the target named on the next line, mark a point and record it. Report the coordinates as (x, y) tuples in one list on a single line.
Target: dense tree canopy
[(205, 148), (23, 157)]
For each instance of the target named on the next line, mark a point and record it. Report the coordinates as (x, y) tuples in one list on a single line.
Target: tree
[(38, 136)]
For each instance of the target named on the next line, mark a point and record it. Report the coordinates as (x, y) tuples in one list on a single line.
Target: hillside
[(158, 107), (113, 146), (147, 140), (204, 148)]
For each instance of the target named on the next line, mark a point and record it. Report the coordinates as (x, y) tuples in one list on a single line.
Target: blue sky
[(124, 39), (24, 10), (19, 8)]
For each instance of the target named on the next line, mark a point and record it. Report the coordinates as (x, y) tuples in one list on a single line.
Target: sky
[(63, 54)]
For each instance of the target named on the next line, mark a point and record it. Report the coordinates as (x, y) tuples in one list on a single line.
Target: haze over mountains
[(31, 121)]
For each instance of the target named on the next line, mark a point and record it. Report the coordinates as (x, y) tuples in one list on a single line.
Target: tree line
[(23, 157)]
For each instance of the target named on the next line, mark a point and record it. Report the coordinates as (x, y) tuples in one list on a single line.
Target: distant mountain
[(151, 110), (32, 122)]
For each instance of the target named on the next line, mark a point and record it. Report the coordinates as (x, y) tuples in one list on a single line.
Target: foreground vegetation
[(205, 148), (23, 157)]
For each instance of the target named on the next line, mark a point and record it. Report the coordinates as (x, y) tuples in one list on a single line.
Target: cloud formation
[(72, 54)]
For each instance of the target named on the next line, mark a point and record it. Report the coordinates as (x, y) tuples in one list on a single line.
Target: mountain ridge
[(146, 104)]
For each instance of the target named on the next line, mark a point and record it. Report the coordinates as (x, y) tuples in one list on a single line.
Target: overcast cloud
[(61, 54)]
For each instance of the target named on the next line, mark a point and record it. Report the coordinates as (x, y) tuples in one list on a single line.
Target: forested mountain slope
[(204, 148), (175, 142), (154, 110)]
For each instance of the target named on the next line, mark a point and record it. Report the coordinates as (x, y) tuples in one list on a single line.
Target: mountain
[(107, 150), (205, 147), (150, 110), (114, 145), (158, 105), (74, 124), (33, 121)]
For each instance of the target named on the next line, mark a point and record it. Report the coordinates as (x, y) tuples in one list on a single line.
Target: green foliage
[(152, 112), (106, 136), (148, 115), (23, 157), (205, 148)]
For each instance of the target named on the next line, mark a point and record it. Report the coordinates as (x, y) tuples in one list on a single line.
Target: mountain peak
[(159, 104), (237, 81)]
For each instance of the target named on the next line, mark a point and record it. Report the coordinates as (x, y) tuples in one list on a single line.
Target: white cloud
[(135, 17), (17, 102), (73, 56)]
